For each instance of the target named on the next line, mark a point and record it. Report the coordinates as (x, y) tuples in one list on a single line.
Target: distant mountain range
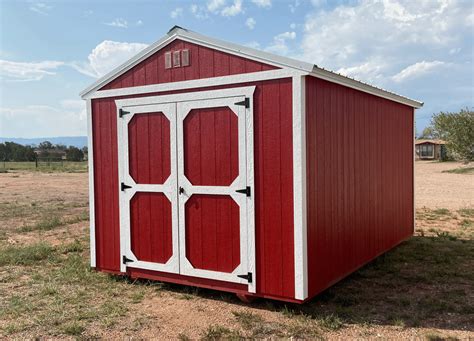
[(76, 141)]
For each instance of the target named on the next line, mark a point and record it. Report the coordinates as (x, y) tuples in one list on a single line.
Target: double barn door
[(186, 184)]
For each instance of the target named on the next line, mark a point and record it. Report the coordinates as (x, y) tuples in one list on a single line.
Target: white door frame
[(168, 188), (240, 182), (245, 114)]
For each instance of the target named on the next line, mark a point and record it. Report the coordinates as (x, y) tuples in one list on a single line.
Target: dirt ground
[(422, 289), (435, 189)]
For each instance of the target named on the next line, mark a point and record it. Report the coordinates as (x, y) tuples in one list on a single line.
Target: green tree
[(74, 154), (457, 129), (427, 133), (45, 145)]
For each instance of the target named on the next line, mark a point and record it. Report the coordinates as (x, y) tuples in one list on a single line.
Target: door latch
[(248, 277), (245, 191)]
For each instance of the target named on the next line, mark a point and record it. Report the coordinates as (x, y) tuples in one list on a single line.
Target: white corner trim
[(299, 188), (370, 89), (414, 160), (90, 160), (197, 83)]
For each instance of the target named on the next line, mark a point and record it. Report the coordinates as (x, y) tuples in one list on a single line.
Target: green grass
[(25, 255), (64, 166), (247, 320), (50, 222), (217, 332), (463, 170), (466, 212)]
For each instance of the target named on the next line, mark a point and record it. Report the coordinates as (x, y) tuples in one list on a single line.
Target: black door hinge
[(123, 187), (245, 102), (123, 112), (246, 191), (126, 260), (248, 277)]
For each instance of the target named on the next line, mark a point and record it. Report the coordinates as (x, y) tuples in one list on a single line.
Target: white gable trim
[(192, 37)]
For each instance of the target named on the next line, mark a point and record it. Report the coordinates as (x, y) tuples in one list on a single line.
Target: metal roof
[(178, 32)]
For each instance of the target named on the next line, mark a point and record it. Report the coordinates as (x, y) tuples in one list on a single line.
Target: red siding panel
[(204, 63), (273, 155), (359, 179)]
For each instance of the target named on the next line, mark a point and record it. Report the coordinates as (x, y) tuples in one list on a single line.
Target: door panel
[(149, 148), (212, 232), (151, 227), (211, 146)]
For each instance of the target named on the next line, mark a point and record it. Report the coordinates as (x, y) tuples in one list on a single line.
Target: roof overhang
[(246, 52)]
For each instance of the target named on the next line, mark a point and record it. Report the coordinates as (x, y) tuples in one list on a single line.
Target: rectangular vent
[(185, 57), (168, 60), (176, 59)]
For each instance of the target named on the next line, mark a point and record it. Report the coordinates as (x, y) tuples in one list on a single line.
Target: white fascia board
[(193, 37), (352, 83)]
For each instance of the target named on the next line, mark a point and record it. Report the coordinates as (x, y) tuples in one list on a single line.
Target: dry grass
[(422, 289)]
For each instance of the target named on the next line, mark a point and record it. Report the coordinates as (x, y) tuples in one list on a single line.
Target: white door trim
[(148, 104), (168, 188), (183, 109)]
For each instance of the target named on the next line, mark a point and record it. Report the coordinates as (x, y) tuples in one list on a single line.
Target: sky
[(51, 50)]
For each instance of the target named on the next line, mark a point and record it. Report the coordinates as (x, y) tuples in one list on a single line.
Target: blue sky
[(51, 50)]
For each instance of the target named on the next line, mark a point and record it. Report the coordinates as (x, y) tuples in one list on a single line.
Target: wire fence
[(45, 164)]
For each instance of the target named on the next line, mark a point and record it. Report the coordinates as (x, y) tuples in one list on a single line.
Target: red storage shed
[(219, 166)]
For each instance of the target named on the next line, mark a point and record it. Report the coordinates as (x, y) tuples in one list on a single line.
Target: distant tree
[(10, 151), (427, 133), (74, 154), (45, 145), (457, 129), (60, 147)]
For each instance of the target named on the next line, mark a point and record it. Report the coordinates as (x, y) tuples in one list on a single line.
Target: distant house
[(429, 149), (56, 154)]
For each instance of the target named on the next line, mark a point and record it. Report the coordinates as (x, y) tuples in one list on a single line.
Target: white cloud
[(263, 3), (118, 22), (381, 34), (139, 23), (106, 56), (279, 44), (233, 10), (370, 71), (215, 5), (294, 6), (253, 44), (250, 23), (176, 13), (417, 70), (24, 71), (68, 118), (40, 7), (198, 12)]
